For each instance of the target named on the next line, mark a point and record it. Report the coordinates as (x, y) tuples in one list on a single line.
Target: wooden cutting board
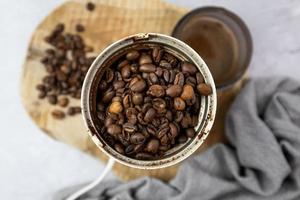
[(110, 21)]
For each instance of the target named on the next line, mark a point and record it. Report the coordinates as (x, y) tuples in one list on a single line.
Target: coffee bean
[(115, 107), (114, 129), (130, 128), (52, 99), (80, 28), (77, 109), (179, 79), (119, 148), (186, 121), (57, 114), (159, 104), (129, 150), (179, 104), (137, 98), (157, 54), (108, 121), (156, 91), (63, 102), (109, 75), (166, 75), (107, 97), (42, 94), (152, 146), (199, 78), (149, 115), (187, 92), (148, 67), (182, 139), (153, 78), (123, 64), (191, 81), (190, 132), (137, 138), (169, 115), (165, 64), (138, 86), (145, 59), (71, 111), (90, 6), (188, 68), (159, 71), (173, 130), (116, 98), (204, 89), (174, 91), (132, 55), (118, 84)]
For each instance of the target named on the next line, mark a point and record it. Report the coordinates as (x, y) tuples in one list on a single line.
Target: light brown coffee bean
[(204, 89), (179, 104), (152, 146), (58, 114), (63, 101), (156, 91), (187, 92), (174, 91), (148, 67), (115, 107), (132, 55)]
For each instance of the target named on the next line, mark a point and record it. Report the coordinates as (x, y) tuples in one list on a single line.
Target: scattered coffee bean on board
[(148, 103), (66, 64), (90, 6)]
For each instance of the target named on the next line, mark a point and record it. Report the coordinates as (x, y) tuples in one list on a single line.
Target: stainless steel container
[(109, 56)]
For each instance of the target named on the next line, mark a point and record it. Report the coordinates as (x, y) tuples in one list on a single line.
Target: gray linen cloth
[(261, 161)]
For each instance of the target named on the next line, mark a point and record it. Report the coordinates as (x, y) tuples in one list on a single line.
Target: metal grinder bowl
[(114, 52)]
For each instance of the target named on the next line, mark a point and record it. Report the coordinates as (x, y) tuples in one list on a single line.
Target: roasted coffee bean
[(170, 58), (204, 89), (90, 6), (79, 28), (52, 99), (153, 78), (77, 109), (152, 146), (137, 138), (159, 71), (130, 128), (42, 94), (199, 78), (174, 91), (191, 81), (138, 86), (101, 116), (148, 67), (159, 104), (186, 121), (119, 148), (179, 79), (114, 129), (149, 115), (132, 55), (57, 114), (129, 150), (118, 84), (138, 148), (140, 118), (157, 54), (178, 116), (145, 59), (107, 97), (156, 91), (151, 129), (108, 121), (182, 139), (165, 64), (187, 67), (173, 130), (179, 103), (127, 101), (169, 115), (115, 107), (71, 111), (123, 64), (190, 132), (132, 119), (63, 101), (116, 98), (109, 75), (134, 68), (137, 98), (187, 92), (146, 107), (166, 75)]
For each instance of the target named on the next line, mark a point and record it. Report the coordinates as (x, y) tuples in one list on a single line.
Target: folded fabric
[(261, 161)]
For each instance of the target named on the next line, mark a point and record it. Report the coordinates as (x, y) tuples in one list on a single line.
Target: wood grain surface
[(110, 21)]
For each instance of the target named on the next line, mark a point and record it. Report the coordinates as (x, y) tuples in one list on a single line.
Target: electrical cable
[(93, 184)]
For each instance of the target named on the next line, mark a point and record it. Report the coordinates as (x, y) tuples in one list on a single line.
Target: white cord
[(93, 184)]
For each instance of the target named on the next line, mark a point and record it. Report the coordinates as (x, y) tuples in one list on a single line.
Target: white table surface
[(32, 165)]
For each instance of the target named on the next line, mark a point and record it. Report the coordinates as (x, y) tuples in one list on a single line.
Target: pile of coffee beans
[(66, 64), (148, 102)]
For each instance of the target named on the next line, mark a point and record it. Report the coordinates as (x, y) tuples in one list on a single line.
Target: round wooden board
[(110, 21)]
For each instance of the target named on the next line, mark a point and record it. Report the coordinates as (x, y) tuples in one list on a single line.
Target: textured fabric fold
[(261, 161)]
